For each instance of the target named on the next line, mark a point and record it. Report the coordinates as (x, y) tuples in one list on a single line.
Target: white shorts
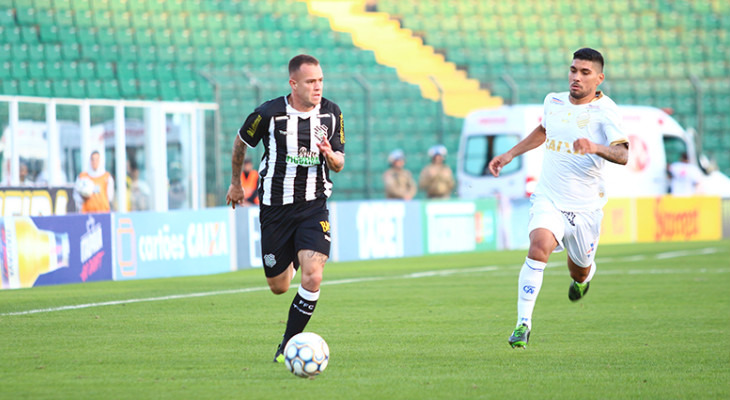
[(577, 232)]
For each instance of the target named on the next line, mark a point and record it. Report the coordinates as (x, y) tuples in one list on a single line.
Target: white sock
[(307, 295), (590, 273), (529, 286)]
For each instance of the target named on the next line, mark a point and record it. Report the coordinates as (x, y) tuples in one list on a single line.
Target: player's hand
[(584, 146), (498, 163), (235, 195), (324, 146)]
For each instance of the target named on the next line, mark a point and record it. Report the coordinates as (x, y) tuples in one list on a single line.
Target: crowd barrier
[(75, 248)]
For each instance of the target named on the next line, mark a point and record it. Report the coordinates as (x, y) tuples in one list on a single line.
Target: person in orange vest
[(249, 183), (95, 187)]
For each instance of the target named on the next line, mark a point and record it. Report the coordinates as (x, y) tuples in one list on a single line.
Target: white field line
[(417, 275)]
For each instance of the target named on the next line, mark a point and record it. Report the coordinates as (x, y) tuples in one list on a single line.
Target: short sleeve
[(545, 109), (612, 126), (254, 128), (338, 139)]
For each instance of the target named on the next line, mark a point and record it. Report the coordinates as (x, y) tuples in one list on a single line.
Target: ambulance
[(655, 140)]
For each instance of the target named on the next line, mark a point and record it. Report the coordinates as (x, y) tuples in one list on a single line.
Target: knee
[(277, 288), (312, 281), (538, 253)]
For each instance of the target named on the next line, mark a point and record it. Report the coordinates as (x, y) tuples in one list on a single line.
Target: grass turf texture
[(654, 325)]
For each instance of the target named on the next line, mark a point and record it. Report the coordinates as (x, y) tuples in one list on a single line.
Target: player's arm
[(235, 193), (616, 153), (533, 140), (335, 159)]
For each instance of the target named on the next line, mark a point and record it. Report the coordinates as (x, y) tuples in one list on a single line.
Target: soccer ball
[(306, 355), (85, 187)]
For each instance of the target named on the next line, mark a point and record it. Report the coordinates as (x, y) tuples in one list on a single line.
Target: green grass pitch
[(655, 325)]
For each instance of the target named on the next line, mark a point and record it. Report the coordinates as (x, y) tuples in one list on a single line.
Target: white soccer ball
[(306, 355), (86, 187)]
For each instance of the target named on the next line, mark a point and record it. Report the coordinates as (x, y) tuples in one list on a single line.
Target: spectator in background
[(139, 191), (399, 183), (177, 195), (684, 177), (249, 183), (94, 187), (436, 178)]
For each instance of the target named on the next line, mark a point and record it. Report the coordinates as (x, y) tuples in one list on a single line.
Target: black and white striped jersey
[(292, 169)]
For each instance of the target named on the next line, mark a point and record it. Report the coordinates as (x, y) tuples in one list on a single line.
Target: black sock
[(299, 314)]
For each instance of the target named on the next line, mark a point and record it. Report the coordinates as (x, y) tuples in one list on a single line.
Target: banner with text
[(30, 201), (459, 226), (375, 229), (666, 219), (175, 243), (619, 226), (53, 250)]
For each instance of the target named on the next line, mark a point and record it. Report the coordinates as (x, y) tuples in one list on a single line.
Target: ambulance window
[(481, 149), (674, 147)]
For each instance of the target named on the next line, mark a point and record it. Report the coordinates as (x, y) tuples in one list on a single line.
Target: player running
[(580, 129), (304, 138)]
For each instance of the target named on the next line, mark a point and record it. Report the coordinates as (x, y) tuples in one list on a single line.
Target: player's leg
[(312, 242), (582, 243), (546, 231), (279, 284)]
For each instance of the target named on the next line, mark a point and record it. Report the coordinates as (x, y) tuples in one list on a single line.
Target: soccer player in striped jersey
[(304, 138), (580, 130)]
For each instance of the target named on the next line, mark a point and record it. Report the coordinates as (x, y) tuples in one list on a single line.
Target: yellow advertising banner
[(619, 226), (671, 219)]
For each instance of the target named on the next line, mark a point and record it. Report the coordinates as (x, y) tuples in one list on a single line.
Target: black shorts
[(289, 228)]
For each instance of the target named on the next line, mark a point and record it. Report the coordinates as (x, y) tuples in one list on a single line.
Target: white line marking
[(415, 275)]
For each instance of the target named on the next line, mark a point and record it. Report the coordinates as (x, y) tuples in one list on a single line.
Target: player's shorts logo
[(325, 226), (270, 260)]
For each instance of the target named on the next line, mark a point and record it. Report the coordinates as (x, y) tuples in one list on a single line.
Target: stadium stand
[(234, 52)]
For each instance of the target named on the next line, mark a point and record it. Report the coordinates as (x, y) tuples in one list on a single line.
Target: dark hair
[(94, 152), (296, 62), (589, 54)]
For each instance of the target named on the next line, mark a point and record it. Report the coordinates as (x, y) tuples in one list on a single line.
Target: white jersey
[(685, 178), (574, 182)]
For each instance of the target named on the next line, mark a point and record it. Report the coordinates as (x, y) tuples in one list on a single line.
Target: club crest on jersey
[(556, 100), (320, 132), (583, 120)]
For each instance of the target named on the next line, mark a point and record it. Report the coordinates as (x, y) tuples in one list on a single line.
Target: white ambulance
[(656, 139)]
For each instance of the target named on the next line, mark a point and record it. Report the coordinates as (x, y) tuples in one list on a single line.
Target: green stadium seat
[(54, 70), (19, 69), (128, 88), (48, 34), (44, 88), (36, 70), (20, 52), (27, 87), (70, 50), (26, 15), (7, 17), (10, 87), (110, 89), (61, 88), (70, 70), (77, 89)]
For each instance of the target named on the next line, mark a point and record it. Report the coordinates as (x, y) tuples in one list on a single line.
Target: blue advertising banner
[(56, 249), (248, 237), (375, 229), (175, 243)]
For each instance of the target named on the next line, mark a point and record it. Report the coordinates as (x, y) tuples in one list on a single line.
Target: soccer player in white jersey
[(580, 130)]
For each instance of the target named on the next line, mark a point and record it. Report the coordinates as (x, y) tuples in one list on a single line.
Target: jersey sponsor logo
[(556, 100), (342, 129), (270, 260), (305, 158), (251, 131), (559, 146)]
